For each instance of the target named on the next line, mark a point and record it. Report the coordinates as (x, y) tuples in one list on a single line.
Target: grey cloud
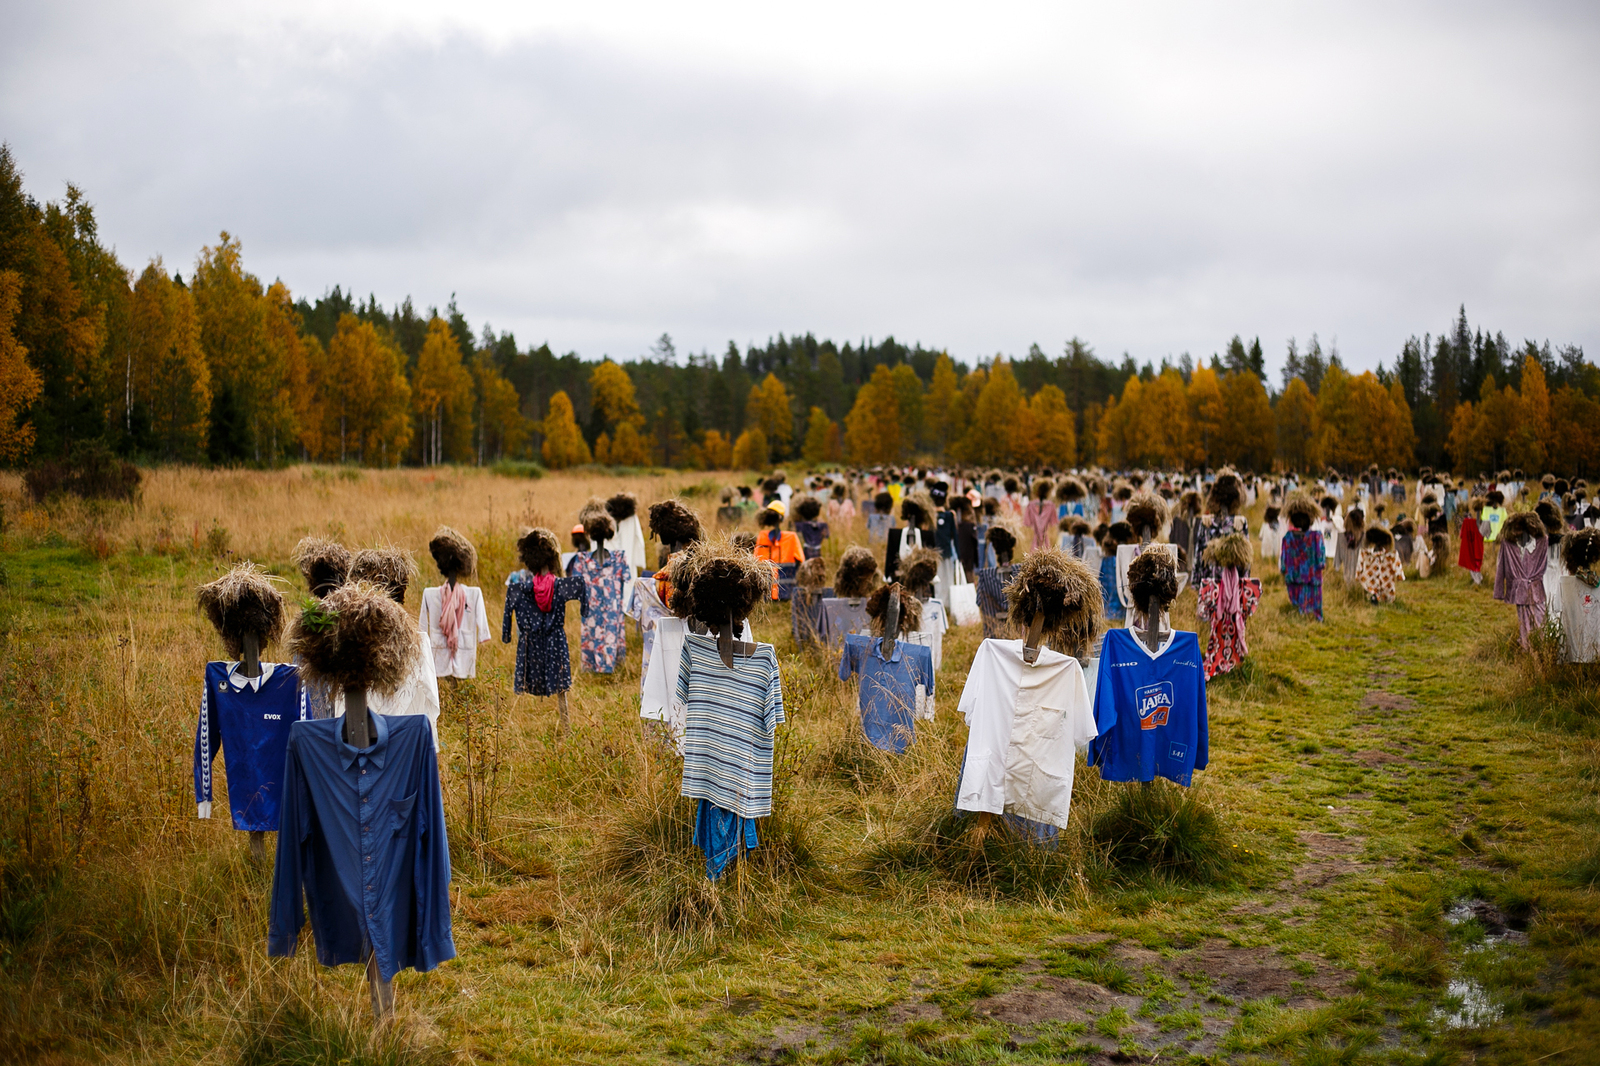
[(1160, 191)]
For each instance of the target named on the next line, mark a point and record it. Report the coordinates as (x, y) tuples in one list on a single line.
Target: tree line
[(221, 367)]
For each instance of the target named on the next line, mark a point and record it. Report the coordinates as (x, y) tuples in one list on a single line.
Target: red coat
[(1471, 556)]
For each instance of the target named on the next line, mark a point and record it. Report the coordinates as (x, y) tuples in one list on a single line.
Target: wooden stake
[(382, 994)]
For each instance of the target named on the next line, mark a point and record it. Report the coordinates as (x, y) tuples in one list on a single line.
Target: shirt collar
[(239, 681), (899, 650), (373, 753)]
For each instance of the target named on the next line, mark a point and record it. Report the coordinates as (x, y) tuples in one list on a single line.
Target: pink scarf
[(1230, 602), (544, 590), (452, 607)]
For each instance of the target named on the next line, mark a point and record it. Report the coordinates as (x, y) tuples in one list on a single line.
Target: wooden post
[(1030, 645), (357, 721), (382, 993), (561, 707), (891, 623)]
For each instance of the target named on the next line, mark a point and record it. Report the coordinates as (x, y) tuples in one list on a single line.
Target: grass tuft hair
[(715, 582), (857, 575), (372, 643), (597, 521), (1147, 510), (325, 564), (389, 567), (1232, 550), (672, 522), (1580, 550), (1152, 576), (1058, 587), (453, 553), (244, 600), (1522, 524), (539, 551), (919, 567), (910, 609)]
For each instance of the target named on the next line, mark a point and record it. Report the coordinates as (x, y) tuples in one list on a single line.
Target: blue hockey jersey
[(1150, 710), (249, 723)]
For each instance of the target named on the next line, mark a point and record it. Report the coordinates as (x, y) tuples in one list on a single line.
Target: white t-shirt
[(1025, 725), (474, 630)]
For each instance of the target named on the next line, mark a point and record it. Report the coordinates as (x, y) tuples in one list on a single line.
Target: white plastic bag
[(963, 599)]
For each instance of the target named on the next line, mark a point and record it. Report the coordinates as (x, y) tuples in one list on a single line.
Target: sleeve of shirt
[(1105, 704), (1202, 740), (1080, 715), (680, 693), (972, 691), (286, 913), (432, 871), (847, 662), (927, 670), (505, 616), (774, 713), (428, 689), (207, 743), (484, 632)]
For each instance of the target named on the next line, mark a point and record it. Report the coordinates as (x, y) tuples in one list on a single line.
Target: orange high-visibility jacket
[(786, 550)]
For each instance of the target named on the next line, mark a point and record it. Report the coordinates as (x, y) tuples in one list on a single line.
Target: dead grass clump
[(648, 847), (1163, 830), (293, 1032), (992, 855), (852, 760)]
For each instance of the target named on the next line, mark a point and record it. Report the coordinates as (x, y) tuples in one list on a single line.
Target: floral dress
[(1301, 557), (603, 638), (1227, 602), (1379, 572), (544, 662)]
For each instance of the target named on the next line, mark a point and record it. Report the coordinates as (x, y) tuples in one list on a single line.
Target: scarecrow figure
[(605, 574), (1226, 601), (1379, 570), (1302, 555)]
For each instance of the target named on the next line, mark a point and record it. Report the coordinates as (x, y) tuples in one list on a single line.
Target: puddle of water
[(1477, 1008)]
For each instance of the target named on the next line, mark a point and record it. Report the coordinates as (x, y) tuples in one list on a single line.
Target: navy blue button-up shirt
[(362, 837)]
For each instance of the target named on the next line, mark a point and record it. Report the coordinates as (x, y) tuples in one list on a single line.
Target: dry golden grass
[(133, 932)]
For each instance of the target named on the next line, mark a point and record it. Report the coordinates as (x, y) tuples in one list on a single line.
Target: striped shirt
[(732, 717)]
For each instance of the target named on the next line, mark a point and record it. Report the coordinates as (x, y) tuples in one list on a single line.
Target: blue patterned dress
[(544, 662), (603, 638)]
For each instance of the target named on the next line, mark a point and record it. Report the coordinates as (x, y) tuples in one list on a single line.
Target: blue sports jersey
[(1150, 710), (250, 726)]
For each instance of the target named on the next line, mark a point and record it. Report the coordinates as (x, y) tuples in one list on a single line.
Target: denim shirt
[(362, 841)]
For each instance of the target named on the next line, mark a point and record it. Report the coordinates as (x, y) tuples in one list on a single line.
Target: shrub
[(987, 854), (91, 471), (517, 468), (1163, 829), (650, 847)]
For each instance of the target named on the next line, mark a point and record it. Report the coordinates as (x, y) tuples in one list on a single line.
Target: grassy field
[(1393, 857)]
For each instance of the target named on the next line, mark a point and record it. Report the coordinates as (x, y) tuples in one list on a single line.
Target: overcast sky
[(1151, 177)]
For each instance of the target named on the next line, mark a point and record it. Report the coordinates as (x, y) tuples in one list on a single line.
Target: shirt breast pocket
[(400, 813)]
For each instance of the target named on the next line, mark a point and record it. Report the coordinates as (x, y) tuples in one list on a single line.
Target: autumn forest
[(205, 363)]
